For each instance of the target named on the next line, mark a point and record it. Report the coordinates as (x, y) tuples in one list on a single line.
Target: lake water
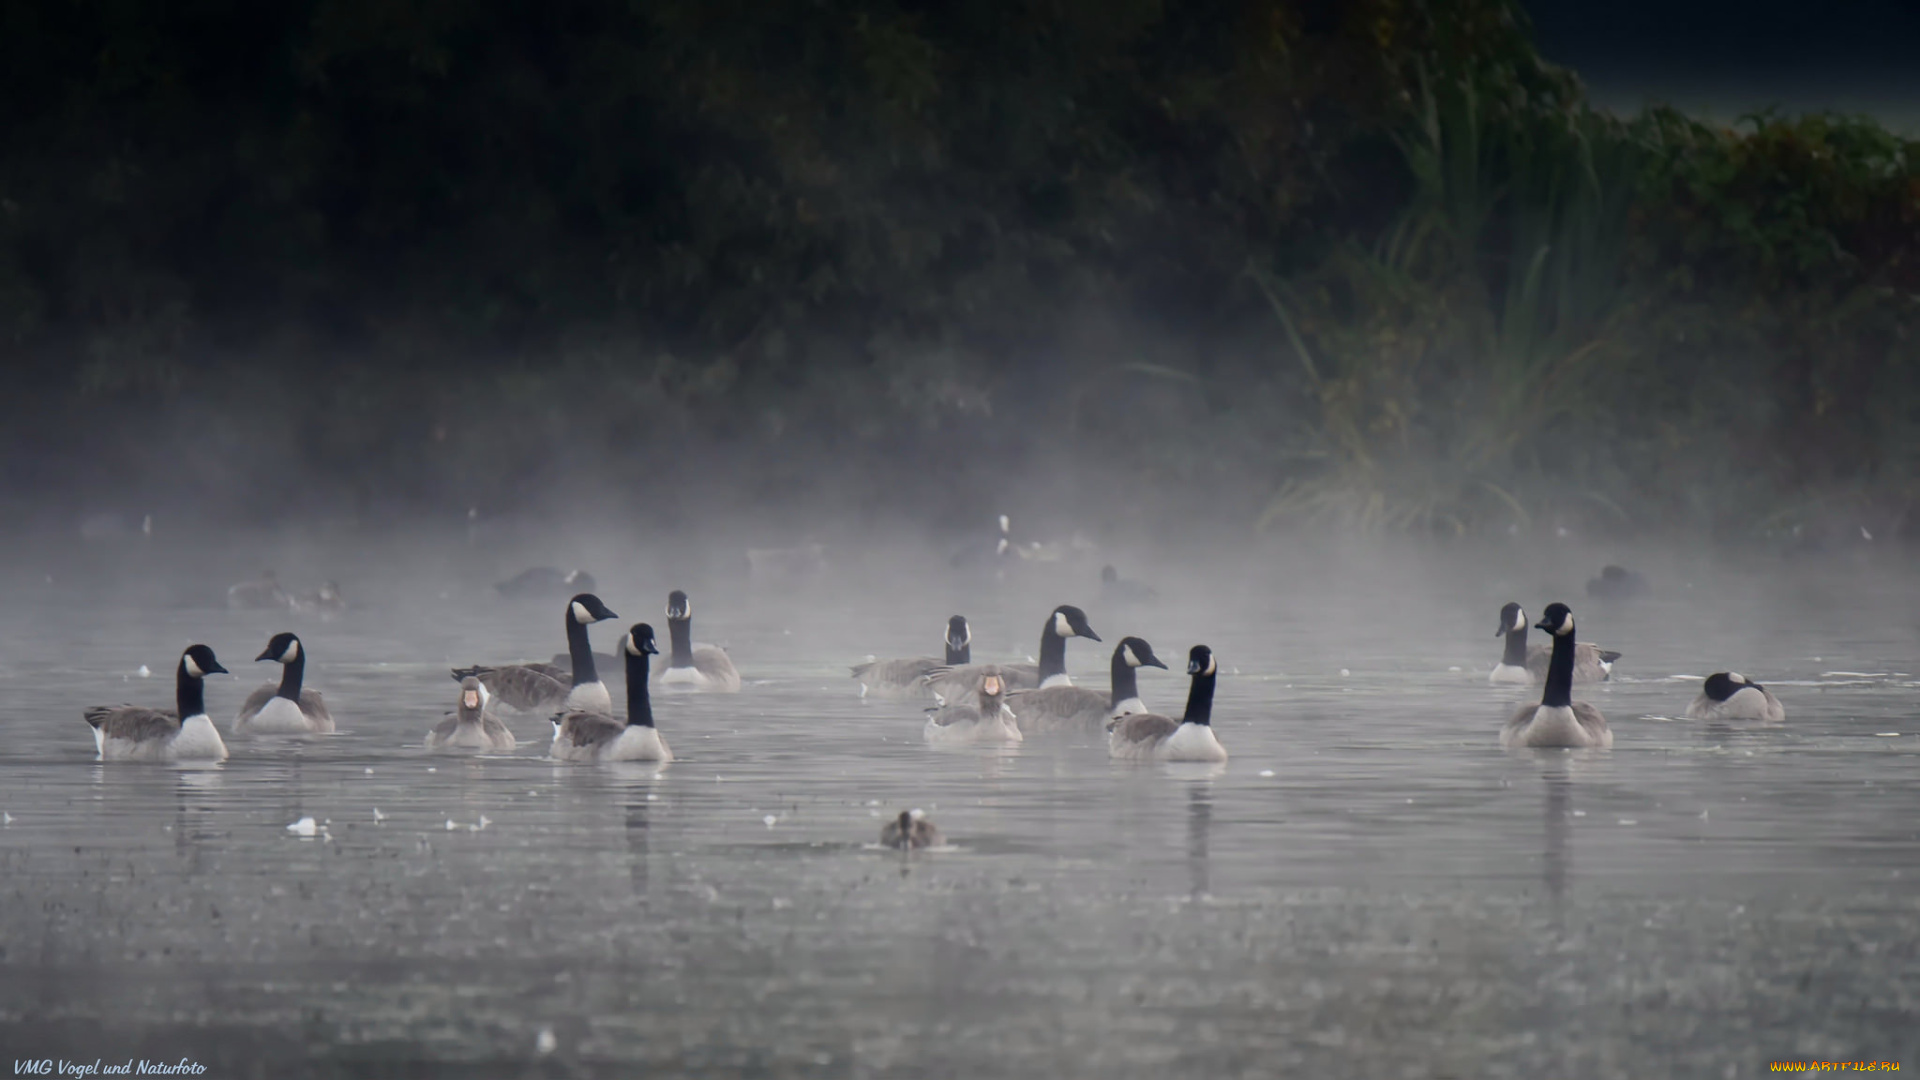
[(1370, 887)]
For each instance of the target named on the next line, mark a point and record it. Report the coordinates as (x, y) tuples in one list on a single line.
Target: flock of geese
[(974, 704)]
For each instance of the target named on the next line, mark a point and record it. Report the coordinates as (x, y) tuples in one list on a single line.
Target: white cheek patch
[(580, 614), (292, 653), (193, 669), (1735, 676), (1213, 665), (1061, 626), (1132, 658), (1520, 620), (1566, 627), (1004, 523)]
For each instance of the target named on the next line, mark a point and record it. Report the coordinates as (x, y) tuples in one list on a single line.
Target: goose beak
[(1154, 661), (265, 654), (471, 699), (216, 669), (1542, 625)]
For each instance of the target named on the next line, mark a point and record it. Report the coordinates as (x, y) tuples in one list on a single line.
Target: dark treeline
[(1373, 264)]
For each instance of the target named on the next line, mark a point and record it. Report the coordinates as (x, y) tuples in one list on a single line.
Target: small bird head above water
[(1137, 653), (283, 648), (198, 662), (1558, 620), (586, 608), (679, 608), (1723, 685), (639, 641), (959, 634), (1070, 621), (1200, 661), (1513, 619)]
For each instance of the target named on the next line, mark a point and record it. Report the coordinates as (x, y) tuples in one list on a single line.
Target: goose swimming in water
[(134, 733), (910, 830), (1056, 709), (956, 683), (264, 594), (289, 708), (1524, 666), (1558, 720), (542, 686), (538, 581), (1729, 695), (471, 726), (1152, 737), (689, 666), (907, 677), (592, 736), (985, 721), (1616, 583)]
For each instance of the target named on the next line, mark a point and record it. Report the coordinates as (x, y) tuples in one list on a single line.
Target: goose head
[(586, 609), (282, 648), (1723, 685), (959, 634), (1137, 653), (1557, 621), (639, 641), (1513, 619), (1070, 621), (1200, 661), (198, 662), (679, 608)]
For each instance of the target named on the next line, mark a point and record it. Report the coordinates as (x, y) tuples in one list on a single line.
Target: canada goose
[(986, 721), (471, 726), (1075, 707), (133, 733), (593, 736), (1526, 666), (1152, 737), (537, 686), (991, 554), (261, 595), (910, 830), (326, 600), (538, 581), (1615, 583), (955, 683), (1729, 695), (690, 666), (907, 677), (1118, 590), (289, 708), (1558, 720)]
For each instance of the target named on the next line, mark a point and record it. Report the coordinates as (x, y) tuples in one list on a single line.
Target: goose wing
[(523, 686), (256, 701), (586, 729), (132, 722), (1143, 727)]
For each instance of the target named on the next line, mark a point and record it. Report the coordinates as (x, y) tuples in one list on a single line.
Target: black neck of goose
[(680, 633), (580, 652), (1200, 700), (189, 693), (1126, 682), (1560, 673), (290, 678), (961, 655), (639, 704), (1516, 655), (1053, 653)]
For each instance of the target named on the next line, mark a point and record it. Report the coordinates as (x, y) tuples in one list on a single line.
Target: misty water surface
[(1369, 887)]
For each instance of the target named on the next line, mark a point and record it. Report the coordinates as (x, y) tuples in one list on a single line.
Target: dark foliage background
[(1255, 263)]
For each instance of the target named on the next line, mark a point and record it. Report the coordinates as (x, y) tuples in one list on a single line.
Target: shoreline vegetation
[(1371, 267)]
